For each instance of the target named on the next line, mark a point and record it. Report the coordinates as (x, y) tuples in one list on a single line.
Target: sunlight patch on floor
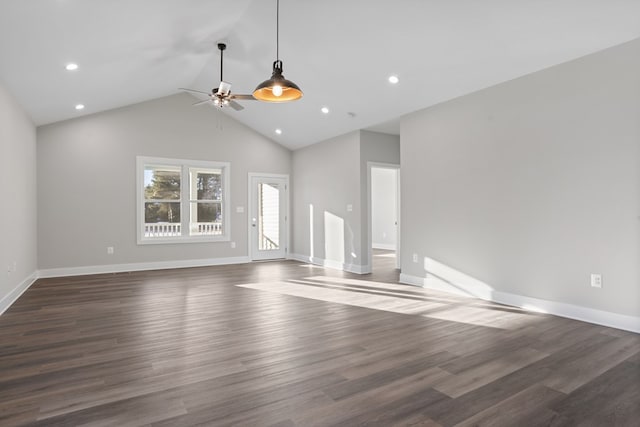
[(389, 255), (399, 299)]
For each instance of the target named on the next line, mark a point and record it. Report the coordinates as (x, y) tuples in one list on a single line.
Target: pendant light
[(277, 88)]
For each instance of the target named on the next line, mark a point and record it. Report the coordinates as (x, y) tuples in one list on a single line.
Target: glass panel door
[(268, 217)]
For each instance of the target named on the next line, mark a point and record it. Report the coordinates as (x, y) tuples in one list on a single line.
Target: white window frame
[(185, 200)]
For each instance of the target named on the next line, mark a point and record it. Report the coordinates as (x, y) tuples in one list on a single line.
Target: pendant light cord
[(278, 30)]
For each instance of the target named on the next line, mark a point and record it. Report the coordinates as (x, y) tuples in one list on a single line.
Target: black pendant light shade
[(277, 88)]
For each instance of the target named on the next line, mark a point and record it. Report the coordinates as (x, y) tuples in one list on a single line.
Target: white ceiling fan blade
[(244, 97), (235, 105), (193, 90), (201, 102)]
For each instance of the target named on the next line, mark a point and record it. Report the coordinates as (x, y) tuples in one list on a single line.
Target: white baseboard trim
[(12, 296), (385, 246), (157, 265), (585, 314), (336, 265), (438, 285)]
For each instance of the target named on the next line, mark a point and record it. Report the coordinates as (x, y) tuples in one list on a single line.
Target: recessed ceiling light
[(279, 131), (80, 107), (393, 79), (324, 110), (71, 67)]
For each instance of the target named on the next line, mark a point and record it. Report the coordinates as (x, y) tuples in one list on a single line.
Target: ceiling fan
[(222, 96)]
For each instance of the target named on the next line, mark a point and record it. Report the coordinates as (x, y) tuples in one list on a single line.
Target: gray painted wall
[(379, 148), (18, 207), (326, 176), (329, 176), (532, 185), (86, 179)]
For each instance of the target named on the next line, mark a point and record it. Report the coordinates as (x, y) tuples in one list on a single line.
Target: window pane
[(161, 212), (208, 184), (268, 217), (206, 218), (162, 219), (161, 183)]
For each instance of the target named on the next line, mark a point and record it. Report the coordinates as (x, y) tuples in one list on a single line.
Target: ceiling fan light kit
[(277, 88), (224, 88)]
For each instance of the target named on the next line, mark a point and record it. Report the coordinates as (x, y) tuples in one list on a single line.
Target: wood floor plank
[(396, 411), (584, 367), (287, 344), (635, 358), (485, 373), (613, 399), (530, 407), (385, 376), (337, 412)]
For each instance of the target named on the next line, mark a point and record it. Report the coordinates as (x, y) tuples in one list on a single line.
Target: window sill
[(180, 240)]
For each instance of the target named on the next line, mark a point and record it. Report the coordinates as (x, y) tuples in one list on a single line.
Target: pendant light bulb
[(277, 88)]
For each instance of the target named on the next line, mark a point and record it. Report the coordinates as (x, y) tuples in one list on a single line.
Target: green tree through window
[(159, 193)]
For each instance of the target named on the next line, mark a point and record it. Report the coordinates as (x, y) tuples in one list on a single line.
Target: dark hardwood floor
[(288, 344)]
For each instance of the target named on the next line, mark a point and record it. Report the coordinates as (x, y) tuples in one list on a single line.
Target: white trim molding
[(335, 265), (570, 311), (13, 295), (142, 266)]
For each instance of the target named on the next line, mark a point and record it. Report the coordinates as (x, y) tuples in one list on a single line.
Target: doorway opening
[(384, 217)]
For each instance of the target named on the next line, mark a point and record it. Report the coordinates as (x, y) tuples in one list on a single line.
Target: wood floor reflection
[(288, 344)]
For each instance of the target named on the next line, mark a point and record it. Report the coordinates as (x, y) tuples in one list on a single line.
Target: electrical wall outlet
[(596, 280), (415, 257), (233, 245), (109, 250)]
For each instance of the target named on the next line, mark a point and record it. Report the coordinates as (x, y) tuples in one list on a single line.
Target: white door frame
[(250, 203), (369, 252)]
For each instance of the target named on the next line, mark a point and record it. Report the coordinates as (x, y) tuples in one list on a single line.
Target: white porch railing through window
[(169, 229), (267, 244)]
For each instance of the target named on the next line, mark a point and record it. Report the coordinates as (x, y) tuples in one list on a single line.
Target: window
[(182, 201)]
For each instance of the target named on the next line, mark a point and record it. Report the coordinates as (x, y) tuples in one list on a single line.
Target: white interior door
[(268, 216)]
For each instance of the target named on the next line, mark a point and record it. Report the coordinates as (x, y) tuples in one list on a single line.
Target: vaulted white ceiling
[(340, 52)]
